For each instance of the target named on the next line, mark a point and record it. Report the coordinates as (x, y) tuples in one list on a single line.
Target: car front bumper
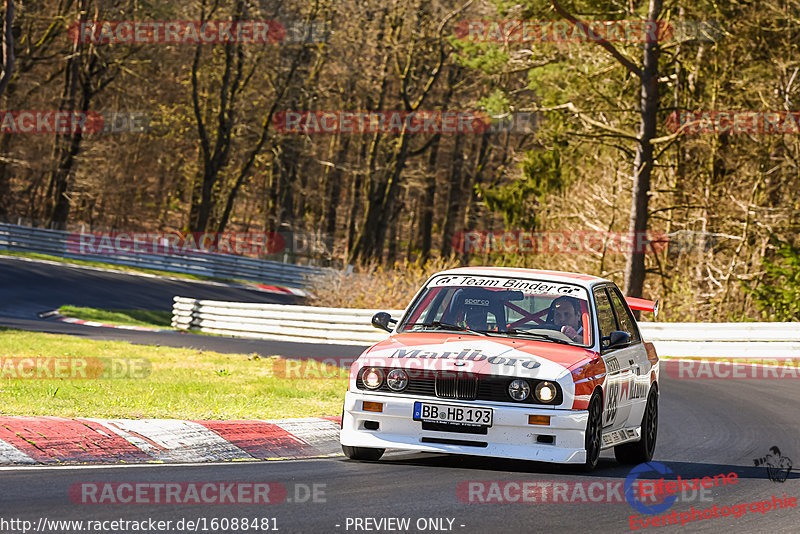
[(510, 435)]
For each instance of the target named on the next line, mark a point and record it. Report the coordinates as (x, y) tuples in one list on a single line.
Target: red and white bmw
[(512, 363)]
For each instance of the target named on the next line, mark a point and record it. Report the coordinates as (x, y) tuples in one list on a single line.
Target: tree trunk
[(355, 204), (271, 200), (7, 47), (333, 189), (427, 203), (643, 164), (454, 195), (388, 216), (5, 185), (66, 147), (469, 217), (215, 159)]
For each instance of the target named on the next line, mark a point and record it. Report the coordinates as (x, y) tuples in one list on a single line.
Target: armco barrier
[(309, 324), (54, 243), (344, 326), (724, 340)]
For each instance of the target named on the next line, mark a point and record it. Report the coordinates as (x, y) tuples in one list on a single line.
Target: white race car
[(512, 363)]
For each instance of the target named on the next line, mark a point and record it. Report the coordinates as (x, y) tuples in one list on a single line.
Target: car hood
[(448, 346), (578, 370)]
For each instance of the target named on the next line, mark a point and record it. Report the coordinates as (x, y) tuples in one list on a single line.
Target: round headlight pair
[(397, 379), (519, 390)]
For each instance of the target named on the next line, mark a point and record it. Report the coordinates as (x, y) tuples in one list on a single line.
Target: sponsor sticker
[(531, 287)]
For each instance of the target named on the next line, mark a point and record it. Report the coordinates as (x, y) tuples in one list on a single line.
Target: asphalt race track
[(707, 428), (29, 288)]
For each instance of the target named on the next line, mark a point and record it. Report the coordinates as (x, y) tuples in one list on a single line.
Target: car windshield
[(514, 307)]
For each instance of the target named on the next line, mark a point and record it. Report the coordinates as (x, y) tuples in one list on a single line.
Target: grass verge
[(182, 383), (149, 318)]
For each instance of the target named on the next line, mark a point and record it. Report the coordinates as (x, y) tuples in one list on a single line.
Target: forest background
[(213, 156)]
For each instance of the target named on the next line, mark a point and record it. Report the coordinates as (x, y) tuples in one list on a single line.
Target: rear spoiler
[(643, 305)]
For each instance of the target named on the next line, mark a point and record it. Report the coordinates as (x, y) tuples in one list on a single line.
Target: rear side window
[(626, 321), (605, 315)]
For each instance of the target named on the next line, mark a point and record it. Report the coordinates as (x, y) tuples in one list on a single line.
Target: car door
[(619, 364), (636, 392)]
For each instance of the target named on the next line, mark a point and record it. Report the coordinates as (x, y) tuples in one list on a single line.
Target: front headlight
[(397, 380), (546, 391), (372, 377), (519, 390)]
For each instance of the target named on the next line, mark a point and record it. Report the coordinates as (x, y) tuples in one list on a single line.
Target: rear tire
[(642, 450), (362, 453), (594, 433)]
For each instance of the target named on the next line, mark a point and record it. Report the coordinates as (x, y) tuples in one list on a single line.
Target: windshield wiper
[(447, 326), (515, 332)]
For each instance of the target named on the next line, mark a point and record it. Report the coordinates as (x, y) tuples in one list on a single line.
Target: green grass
[(149, 318), (183, 383)]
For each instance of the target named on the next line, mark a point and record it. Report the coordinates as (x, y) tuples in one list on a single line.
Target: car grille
[(456, 388), (485, 388)]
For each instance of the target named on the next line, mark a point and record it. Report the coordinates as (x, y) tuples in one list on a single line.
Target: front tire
[(594, 433), (642, 450), (362, 453)]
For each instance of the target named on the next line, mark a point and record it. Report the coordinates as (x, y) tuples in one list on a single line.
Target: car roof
[(585, 280)]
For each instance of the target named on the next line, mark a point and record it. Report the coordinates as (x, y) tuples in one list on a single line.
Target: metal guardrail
[(345, 326), (308, 324), (54, 243), (724, 340)]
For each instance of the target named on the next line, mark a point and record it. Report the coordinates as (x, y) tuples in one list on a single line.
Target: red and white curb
[(284, 290), (83, 322), (59, 440)]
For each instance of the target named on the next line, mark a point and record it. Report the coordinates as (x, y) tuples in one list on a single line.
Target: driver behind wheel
[(565, 313)]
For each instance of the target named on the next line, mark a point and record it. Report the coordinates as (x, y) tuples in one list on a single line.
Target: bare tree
[(643, 163), (8, 47)]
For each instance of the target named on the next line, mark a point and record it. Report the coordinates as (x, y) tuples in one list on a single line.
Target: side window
[(626, 321), (605, 315)]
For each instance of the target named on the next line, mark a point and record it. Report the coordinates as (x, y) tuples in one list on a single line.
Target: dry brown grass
[(375, 287)]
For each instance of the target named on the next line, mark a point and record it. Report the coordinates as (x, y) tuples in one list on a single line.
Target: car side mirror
[(616, 339), (382, 320)]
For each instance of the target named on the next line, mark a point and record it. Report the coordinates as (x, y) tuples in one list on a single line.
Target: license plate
[(446, 413)]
